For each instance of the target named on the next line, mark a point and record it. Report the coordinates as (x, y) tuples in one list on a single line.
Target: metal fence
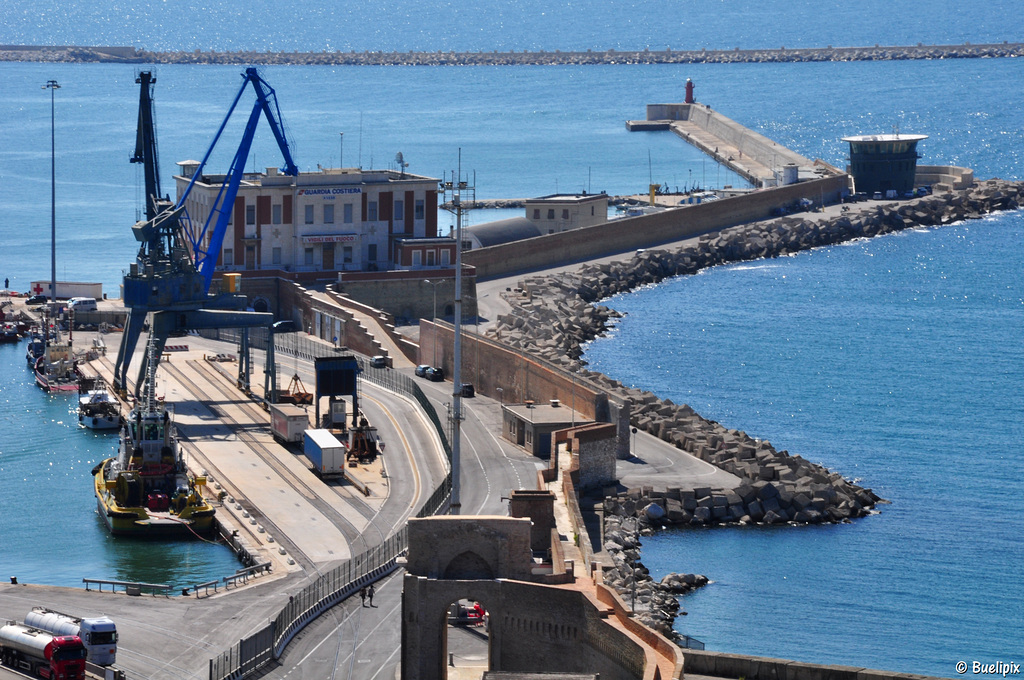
[(268, 643)]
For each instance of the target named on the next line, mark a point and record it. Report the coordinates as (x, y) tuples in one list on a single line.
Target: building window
[(308, 256), (446, 257), (417, 258), (229, 257), (565, 213), (309, 214), (347, 213), (371, 211), (536, 213), (420, 209), (275, 213), (551, 213), (328, 213), (276, 255), (371, 252), (250, 214), (346, 254), (430, 258), (399, 211)]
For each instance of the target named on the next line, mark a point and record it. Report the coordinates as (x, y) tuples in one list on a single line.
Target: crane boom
[(206, 244)]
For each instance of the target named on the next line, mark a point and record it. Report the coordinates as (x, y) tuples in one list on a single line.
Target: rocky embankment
[(655, 603), (525, 58), (555, 315)]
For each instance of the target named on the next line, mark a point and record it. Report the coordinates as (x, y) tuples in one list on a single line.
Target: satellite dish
[(400, 161)]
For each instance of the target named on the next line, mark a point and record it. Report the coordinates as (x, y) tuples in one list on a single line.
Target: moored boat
[(98, 409), (148, 490), (55, 369)]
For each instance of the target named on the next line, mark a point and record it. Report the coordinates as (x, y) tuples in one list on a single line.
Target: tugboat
[(97, 408), (147, 490)]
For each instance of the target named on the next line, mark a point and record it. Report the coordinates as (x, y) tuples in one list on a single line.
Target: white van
[(82, 304)]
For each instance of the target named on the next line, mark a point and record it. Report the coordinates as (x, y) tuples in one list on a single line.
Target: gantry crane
[(169, 281)]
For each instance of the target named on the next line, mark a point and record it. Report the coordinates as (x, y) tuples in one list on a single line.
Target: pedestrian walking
[(362, 594), (369, 592)]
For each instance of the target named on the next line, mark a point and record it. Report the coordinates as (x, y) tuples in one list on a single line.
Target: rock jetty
[(554, 315), (82, 54), (655, 603)]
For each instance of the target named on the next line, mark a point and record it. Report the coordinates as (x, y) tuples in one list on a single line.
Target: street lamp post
[(52, 85), (341, 151)]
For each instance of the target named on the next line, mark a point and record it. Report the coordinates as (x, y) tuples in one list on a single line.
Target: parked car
[(435, 374), (379, 361), (285, 326), (877, 196), (468, 390), (421, 370), (36, 300)]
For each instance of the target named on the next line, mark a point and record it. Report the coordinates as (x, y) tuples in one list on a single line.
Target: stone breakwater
[(656, 604), (554, 315), (83, 54)]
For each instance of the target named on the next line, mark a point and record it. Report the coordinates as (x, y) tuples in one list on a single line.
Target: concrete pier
[(749, 154)]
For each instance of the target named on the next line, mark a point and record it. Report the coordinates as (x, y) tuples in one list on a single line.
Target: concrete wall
[(723, 665), (494, 547), (533, 629), (948, 177), (595, 447), (646, 231), (491, 365), (406, 295)]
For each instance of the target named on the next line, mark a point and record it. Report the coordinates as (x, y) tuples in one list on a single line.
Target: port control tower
[(884, 162)]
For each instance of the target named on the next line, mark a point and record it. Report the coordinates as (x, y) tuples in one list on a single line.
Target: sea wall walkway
[(123, 54)]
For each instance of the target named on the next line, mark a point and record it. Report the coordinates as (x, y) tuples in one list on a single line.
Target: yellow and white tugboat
[(147, 490)]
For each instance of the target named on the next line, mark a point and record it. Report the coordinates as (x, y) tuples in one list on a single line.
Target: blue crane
[(169, 281), (207, 252)]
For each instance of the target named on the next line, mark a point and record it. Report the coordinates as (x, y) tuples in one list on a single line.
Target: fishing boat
[(147, 490), (9, 332), (55, 369), (97, 408)]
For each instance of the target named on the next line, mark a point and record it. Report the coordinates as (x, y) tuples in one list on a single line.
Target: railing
[(130, 587), (268, 643)]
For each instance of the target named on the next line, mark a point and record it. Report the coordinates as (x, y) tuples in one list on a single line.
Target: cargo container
[(325, 452), (288, 422), (68, 289)]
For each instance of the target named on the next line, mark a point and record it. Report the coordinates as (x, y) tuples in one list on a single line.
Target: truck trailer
[(42, 654), (288, 422), (98, 634), (325, 452)]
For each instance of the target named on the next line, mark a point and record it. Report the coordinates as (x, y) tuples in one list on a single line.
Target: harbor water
[(895, 361)]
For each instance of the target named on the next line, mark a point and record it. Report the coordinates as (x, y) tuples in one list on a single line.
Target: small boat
[(55, 369), (9, 333), (98, 410), (147, 489)]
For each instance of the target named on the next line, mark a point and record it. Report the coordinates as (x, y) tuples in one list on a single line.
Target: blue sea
[(895, 361)]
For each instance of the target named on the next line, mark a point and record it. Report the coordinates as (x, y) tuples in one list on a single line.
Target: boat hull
[(140, 521)]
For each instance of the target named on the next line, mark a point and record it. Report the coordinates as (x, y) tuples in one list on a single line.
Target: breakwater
[(122, 54), (555, 315)]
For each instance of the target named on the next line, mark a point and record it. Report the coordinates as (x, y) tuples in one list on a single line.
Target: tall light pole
[(433, 318), (52, 85), (341, 151)]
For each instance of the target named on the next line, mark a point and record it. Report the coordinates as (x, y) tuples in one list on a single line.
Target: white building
[(561, 212), (336, 219)]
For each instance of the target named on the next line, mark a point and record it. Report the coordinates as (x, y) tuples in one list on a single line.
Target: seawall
[(552, 317), (122, 54)]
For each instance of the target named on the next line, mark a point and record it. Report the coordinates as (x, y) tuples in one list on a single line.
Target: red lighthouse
[(689, 91)]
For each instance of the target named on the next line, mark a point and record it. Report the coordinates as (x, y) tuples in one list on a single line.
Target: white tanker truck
[(41, 654), (98, 634)]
